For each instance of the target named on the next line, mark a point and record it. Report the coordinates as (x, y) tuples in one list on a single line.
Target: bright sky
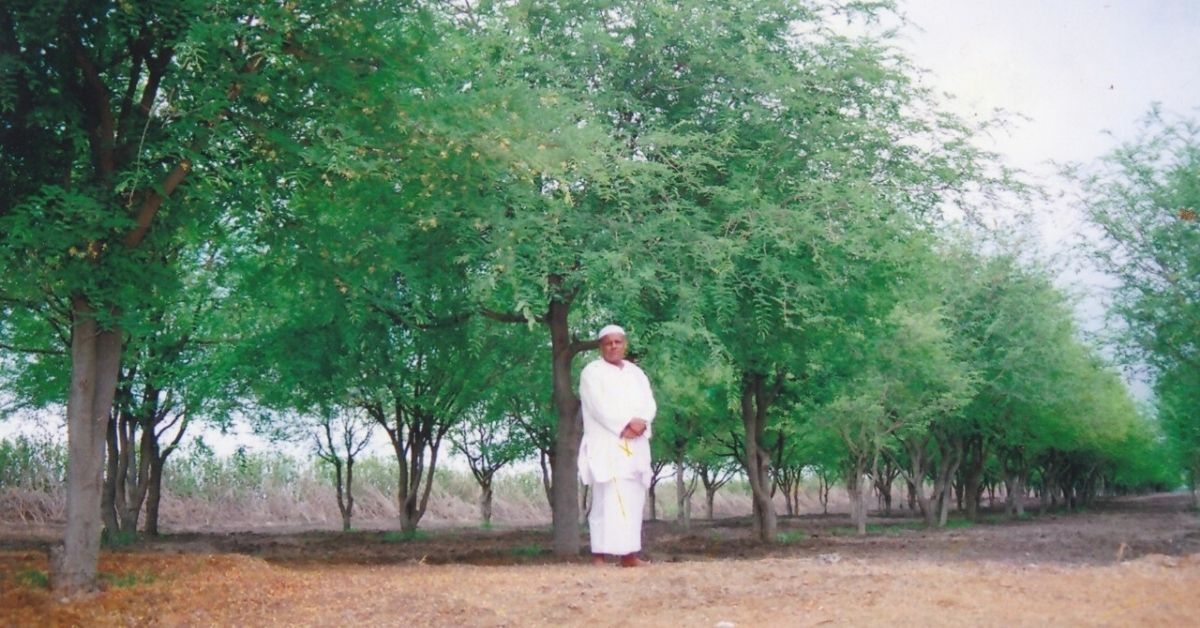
[(1074, 68), (1083, 73)]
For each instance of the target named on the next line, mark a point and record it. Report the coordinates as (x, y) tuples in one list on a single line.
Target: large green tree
[(1144, 197), (112, 110)]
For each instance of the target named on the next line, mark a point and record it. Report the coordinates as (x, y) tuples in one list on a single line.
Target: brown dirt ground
[(1126, 561)]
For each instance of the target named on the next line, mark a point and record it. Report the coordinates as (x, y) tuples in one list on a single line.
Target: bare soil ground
[(1126, 561)]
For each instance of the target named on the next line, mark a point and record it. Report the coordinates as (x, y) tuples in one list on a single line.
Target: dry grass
[(239, 590), (300, 498)]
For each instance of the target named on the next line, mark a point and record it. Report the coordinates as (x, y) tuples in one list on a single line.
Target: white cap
[(610, 329)]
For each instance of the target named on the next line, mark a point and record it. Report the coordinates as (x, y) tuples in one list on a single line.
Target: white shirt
[(612, 396)]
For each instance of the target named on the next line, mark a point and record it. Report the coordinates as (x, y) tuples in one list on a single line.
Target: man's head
[(612, 344)]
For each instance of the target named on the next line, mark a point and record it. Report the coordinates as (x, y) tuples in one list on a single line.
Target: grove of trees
[(413, 216)]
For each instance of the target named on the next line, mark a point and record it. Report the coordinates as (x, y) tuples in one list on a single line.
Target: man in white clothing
[(614, 457)]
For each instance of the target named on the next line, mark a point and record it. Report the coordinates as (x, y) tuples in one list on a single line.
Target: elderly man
[(614, 457)]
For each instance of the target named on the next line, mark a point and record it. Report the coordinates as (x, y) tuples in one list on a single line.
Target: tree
[(488, 441), (927, 387), (1143, 197), (690, 388), (118, 110), (563, 200), (339, 440)]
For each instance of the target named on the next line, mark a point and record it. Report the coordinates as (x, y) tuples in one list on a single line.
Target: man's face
[(612, 348)]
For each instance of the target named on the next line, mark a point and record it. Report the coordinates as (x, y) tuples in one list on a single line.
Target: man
[(614, 457)]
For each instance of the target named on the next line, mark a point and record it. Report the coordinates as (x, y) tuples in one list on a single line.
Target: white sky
[(1075, 69), (1082, 72)]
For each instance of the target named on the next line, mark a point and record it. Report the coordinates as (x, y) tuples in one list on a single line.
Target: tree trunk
[(565, 471), (348, 509), (855, 480), (154, 494), (710, 494), (485, 500), (974, 458), (914, 474), (683, 502), (1014, 499), (128, 476), (112, 467), (925, 502), (651, 498), (546, 462), (95, 362), (757, 459), (158, 462), (951, 450), (823, 492)]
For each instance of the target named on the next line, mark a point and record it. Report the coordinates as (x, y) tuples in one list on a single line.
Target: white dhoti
[(615, 521)]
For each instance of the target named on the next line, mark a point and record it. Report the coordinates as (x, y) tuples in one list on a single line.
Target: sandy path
[(239, 590)]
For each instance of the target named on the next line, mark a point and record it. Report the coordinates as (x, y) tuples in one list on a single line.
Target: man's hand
[(634, 429)]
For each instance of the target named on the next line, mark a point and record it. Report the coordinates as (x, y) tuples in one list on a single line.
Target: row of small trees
[(420, 212)]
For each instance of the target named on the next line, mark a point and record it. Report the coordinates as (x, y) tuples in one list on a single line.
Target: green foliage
[(199, 472), (398, 536), (791, 536), (117, 539), (35, 578), (528, 551), (31, 463), (1144, 197), (126, 580), (875, 528)]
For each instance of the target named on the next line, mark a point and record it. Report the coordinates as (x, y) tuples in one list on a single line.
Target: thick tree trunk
[(95, 362), (710, 495), (565, 471), (758, 459)]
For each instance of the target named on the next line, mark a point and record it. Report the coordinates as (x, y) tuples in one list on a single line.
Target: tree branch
[(17, 349), (153, 202), (509, 317)]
